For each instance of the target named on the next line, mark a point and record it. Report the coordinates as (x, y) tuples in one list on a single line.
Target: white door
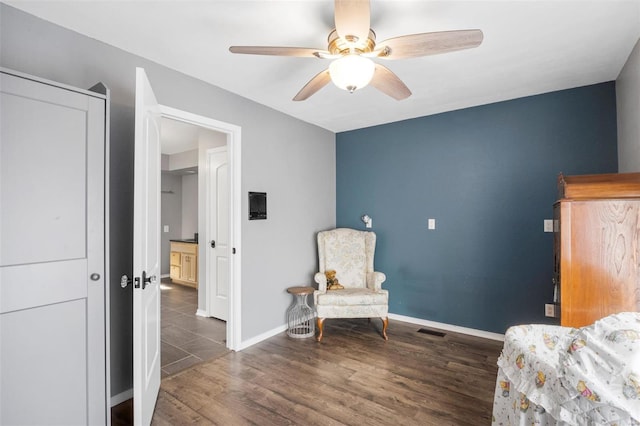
[(52, 258), (146, 252), (218, 233)]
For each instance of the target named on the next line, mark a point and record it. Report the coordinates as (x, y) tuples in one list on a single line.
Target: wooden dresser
[(597, 246), (184, 263)]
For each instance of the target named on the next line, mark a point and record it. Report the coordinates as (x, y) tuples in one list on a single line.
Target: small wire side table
[(300, 316)]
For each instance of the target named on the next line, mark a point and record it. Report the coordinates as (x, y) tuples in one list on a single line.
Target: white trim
[(264, 336), (88, 92), (164, 276), (107, 248), (418, 321), (234, 336), (234, 139), (449, 327), (201, 313), (121, 397)]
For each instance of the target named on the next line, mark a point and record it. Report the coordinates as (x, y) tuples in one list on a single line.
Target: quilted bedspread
[(551, 375)]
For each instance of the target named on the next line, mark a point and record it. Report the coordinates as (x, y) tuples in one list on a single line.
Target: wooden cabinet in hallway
[(184, 263)]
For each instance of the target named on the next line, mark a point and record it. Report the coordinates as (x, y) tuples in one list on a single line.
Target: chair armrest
[(375, 280), (321, 279)]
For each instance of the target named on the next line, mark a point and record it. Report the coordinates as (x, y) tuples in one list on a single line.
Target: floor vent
[(432, 332)]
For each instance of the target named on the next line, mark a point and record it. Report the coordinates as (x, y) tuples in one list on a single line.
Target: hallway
[(187, 339)]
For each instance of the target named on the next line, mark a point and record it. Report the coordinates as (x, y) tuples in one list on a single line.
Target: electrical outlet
[(166, 228), (548, 225), (550, 310), (431, 223)]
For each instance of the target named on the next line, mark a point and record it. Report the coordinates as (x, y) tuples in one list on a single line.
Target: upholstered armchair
[(350, 253)]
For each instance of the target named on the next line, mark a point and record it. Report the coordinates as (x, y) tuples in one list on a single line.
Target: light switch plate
[(166, 228), (550, 310), (548, 225)]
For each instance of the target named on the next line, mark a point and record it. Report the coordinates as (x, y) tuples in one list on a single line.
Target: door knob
[(125, 281)]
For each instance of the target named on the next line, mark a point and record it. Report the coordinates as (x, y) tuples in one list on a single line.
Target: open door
[(146, 252)]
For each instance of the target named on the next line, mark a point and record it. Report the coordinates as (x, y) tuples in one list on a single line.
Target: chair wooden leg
[(385, 323), (320, 322)]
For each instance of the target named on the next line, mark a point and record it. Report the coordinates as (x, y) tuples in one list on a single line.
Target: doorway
[(190, 334), (146, 240), (187, 335)]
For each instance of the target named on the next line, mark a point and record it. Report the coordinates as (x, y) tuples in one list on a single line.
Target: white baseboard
[(449, 327), (164, 276), (433, 324), (201, 313), (264, 336), (121, 397)]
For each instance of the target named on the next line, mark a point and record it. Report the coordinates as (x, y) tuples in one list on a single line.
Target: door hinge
[(233, 250), (147, 279)]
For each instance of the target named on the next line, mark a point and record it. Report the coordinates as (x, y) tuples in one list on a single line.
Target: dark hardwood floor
[(353, 377)]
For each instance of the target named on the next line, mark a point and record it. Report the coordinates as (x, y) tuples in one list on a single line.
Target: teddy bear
[(332, 281)]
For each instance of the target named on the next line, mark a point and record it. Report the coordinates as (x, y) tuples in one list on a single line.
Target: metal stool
[(300, 316)]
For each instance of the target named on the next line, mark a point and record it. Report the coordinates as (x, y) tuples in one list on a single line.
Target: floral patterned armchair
[(552, 375), (350, 253)]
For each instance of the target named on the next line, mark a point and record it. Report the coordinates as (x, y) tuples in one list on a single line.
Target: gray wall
[(189, 205), (628, 105), (291, 160), (171, 216)]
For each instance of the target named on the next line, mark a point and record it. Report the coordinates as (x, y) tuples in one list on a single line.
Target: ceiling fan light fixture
[(351, 72), (352, 45)]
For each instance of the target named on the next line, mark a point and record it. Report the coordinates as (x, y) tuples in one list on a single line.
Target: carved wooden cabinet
[(596, 246)]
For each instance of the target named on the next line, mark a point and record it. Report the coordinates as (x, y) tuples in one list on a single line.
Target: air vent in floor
[(431, 332)]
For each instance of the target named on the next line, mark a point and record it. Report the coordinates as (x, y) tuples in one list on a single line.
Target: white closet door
[(52, 289)]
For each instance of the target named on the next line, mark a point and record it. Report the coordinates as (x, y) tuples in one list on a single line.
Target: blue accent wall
[(488, 175)]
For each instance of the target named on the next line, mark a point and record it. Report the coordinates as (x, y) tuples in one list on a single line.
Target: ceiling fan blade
[(315, 84), (304, 52), (353, 18), (388, 83), (414, 45)]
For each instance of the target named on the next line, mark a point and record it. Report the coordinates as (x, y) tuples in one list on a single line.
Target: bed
[(552, 375)]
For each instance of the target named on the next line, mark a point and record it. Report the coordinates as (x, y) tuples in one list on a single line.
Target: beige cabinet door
[(189, 268), (175, 266)]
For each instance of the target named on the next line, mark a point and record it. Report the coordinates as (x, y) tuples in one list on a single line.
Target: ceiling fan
[(352, 44)]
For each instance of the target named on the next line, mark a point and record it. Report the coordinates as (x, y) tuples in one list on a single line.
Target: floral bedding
[(551, 375)]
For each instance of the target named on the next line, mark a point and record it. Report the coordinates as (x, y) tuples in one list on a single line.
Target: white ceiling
[(529, 47), (178, 136)]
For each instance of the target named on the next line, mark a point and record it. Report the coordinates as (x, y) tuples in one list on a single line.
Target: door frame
[(233, 134)]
